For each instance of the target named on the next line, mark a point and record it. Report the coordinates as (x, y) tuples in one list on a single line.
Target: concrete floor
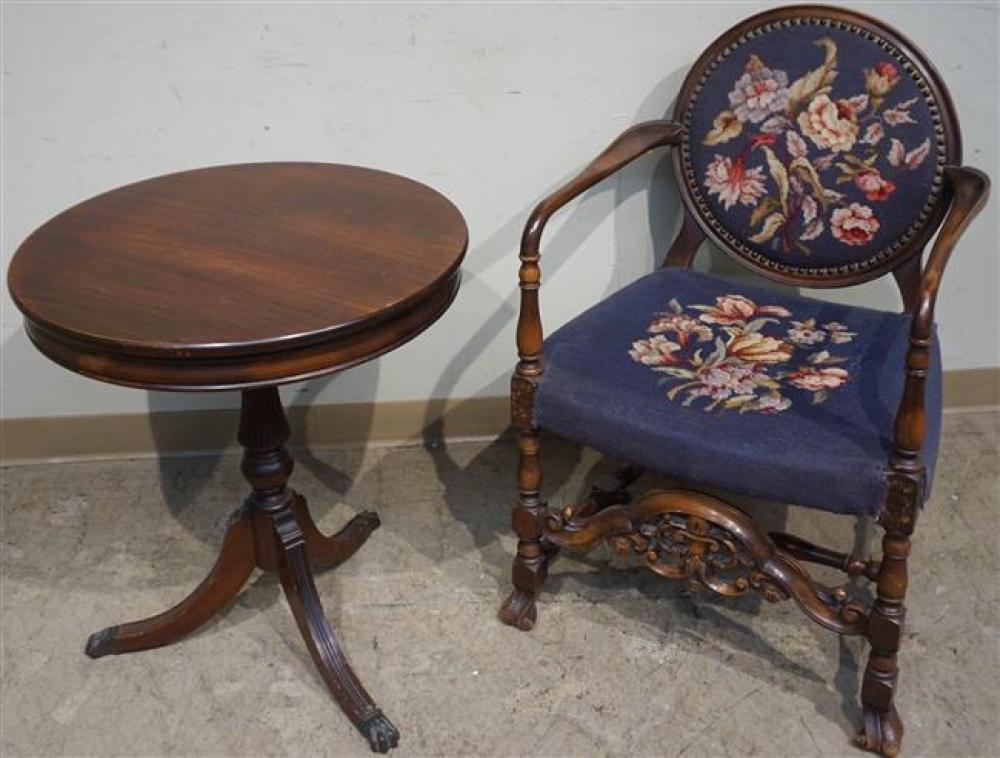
[(621, 662)]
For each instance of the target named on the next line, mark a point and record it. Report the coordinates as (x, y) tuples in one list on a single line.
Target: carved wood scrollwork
[(522, 402), (680, 546), (710, 545), (902, 500)]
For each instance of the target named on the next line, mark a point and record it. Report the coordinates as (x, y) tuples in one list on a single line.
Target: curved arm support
[(640, 139), (628, 146), (969, 189)]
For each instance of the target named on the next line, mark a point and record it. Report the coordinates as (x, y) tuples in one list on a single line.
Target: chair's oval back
[(815, 143)]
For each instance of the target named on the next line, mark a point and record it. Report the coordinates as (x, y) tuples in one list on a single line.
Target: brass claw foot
[(101, 643), (382, 736), (232, 567), (368, 518), (519, 611), (882, 732)]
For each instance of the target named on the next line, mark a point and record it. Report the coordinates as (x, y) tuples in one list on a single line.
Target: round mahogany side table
[(246, 277)]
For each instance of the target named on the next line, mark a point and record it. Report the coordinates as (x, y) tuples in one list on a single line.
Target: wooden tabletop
[(241, 275)]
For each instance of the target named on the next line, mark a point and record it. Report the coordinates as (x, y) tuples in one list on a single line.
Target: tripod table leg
[(232, 568), (327, 552), (300, 590)]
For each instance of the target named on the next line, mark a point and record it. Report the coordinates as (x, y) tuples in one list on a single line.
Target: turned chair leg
[(232, 568), (530, 567), (882, 731)]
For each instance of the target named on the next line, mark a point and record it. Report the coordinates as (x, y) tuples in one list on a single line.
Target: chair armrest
[(626, 148), (969, 189)]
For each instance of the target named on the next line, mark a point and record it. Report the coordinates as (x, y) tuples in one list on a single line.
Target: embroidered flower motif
[(682, 325), (858, 102), (805, 332), (797, 147), (898, 156), (775, 125), (822, 164), (881, 78), (759, 92), (830, 125), (730, 309), (813, 229), (754, 347), (895, 117), (655, 351), (809, 209), (725, 380), (749, 348), (814, 379), (725, 127), (732, 183), (854, 225), (805, 130), (876, 188), (772, 403), (874, 132), (900, 113), (839, 334)]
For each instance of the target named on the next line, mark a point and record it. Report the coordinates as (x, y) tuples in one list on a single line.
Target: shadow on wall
[(182, 480), (663, 213), (651, 172)]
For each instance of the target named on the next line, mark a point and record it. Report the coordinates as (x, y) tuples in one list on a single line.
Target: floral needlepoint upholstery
[(738, 386), (752, 354), (813, 147)]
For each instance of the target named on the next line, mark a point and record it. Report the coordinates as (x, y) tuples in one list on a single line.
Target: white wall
[(492, 104)]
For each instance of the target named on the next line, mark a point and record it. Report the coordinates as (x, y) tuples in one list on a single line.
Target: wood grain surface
[(219, 270)]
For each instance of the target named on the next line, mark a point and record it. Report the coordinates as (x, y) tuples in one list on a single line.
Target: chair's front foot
[(382, 736), (519, 610), (882, 731), (528, 575)]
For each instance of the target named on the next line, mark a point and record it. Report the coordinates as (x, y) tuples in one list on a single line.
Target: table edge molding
[(222, 372)]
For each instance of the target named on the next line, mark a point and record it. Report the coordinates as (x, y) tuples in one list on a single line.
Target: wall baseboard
[(972, 388), (136, 435)]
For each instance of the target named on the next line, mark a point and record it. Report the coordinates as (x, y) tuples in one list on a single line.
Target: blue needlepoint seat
[(722, 383)]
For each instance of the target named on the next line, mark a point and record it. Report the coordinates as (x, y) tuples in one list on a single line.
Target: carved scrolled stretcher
[(710, 545)]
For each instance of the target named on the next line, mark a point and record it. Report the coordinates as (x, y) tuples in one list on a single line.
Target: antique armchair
[(818, 147)]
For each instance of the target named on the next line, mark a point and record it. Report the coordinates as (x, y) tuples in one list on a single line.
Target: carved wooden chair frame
[(719, 535)]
